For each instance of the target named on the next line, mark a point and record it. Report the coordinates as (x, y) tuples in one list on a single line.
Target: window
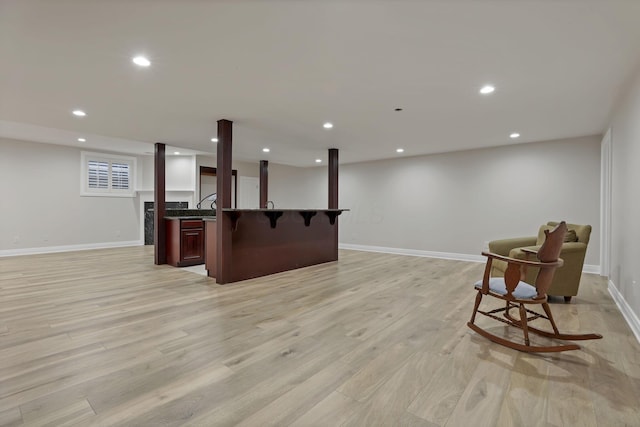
[(107, 175), (120, 176), (98, 174)]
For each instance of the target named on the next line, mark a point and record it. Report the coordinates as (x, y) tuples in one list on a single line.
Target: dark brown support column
[(264, 183), (159, 206), (333, 178), (223, 221), (333, 195)]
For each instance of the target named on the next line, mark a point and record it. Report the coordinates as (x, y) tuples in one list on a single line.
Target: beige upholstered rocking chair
[(518, 295)]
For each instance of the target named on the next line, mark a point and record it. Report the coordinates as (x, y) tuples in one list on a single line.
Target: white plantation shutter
[(107, 175), (120, 176), (98, 174)]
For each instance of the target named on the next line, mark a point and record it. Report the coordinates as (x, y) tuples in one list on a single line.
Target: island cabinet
[(251, 243), (185, 241)]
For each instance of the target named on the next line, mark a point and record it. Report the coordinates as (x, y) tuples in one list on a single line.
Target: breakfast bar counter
[(267, 241)]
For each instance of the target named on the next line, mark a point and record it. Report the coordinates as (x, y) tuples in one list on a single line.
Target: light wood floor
[(106, 338)]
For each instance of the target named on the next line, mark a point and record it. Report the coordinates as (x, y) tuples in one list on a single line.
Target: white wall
[(455, 202), (42, 206), (42, 209), (182, 176), (179, 170), (452, 202), (243, 168), (625, 251), (180, 181), (292, 187)]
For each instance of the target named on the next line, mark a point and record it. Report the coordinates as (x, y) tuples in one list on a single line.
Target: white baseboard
[(625, 309), (68, 248), (413, 252), (590, 268), (593, 269)]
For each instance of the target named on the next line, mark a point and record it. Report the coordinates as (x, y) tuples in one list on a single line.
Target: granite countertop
[(284, 210), (171, 213), (208, 217)]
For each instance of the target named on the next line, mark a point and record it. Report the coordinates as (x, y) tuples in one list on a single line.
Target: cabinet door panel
[(192, 245)]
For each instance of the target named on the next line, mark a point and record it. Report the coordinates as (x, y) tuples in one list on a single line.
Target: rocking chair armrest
[(510, 260), (529, 252)]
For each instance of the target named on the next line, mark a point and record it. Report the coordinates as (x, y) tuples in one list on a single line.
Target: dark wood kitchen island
[(267, 241)]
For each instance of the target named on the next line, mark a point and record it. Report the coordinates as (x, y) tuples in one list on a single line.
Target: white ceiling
[(279, 69)]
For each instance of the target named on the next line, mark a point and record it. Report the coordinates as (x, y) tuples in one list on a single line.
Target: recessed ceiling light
[(318, 160), (327, 125), (141, 61), (266, 150), (487, 89), (214, 139), (82, 140), (399, 150), (79, 113), (514, 135), (176, 152)]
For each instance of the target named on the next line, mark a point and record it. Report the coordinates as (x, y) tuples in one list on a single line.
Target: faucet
[(266, 205), (210, 198)]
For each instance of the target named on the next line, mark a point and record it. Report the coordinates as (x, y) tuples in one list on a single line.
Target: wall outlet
[(117, 233), (16, 239)]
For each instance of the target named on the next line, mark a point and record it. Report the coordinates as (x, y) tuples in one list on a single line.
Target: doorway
[(209, 185)]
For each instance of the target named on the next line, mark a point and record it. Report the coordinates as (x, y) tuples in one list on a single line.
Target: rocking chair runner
[(518, 294)]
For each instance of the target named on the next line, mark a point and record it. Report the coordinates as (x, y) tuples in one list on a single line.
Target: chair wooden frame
[(548, 261)]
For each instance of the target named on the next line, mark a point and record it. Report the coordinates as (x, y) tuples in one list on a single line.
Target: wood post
[(223, 221), (159, 206), (333, 178), (264, 183), (333, 194)]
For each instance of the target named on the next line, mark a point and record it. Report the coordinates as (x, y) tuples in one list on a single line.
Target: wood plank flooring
[(104, 337)]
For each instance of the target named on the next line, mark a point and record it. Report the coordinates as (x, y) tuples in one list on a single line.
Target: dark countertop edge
[(183, 209), (209, 217), (284, 210), (188, 212)]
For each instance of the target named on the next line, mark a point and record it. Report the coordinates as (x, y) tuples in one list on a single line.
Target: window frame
[(110, 159)]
